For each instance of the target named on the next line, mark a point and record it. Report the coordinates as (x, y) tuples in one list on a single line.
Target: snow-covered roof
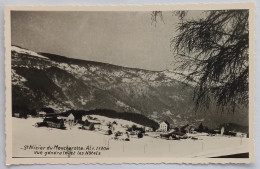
[(93, 121)]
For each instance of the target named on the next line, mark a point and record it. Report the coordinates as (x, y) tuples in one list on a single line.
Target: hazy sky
[(122, 38)]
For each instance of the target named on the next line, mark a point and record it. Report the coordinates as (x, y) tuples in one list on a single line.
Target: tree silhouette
[(212, 53), (200, 128), (48, 110)]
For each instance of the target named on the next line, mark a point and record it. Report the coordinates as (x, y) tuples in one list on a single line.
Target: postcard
[(130, 84)]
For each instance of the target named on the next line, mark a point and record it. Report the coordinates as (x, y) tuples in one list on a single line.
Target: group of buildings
[(164, 126), (89, 124)]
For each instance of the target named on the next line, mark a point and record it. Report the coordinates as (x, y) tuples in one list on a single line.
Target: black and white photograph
[(155, 84)]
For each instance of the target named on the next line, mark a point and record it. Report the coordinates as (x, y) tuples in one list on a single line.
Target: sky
[(128, 39)]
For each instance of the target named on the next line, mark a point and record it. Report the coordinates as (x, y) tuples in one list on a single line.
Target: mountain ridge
[(65, 83)]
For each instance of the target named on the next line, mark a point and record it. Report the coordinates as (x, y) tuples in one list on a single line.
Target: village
[(125, 130), (126, 138)]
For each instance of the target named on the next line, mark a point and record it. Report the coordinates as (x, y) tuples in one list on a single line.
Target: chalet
[(44, 112), (91, 124), (97, 123), (164, 126), (84, 118), (54, 122), (67, 118), (63, 117), (41, 113), (70, 117)]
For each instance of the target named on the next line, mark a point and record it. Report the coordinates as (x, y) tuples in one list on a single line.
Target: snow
[(118, 73), (122, 104), (25, 51), (24, 133), (153, 76), (106, 120), (126, 80), (17, 79), (93, 68), (167, 112), (171, 74)]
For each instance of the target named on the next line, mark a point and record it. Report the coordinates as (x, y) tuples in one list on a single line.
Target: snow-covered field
[(25, 134), (105, 120)]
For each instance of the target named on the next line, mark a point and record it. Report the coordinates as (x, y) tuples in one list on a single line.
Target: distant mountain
[(46, 80)]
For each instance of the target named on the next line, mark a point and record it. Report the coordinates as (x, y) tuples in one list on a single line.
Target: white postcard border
[(164, 7)]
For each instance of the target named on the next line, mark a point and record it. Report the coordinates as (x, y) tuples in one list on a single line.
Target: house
[(164, 126), (54, 122), (148, 129), (91, 124), (41, 113), (44, 112), (67, 118), (85, 118), (70, 117)]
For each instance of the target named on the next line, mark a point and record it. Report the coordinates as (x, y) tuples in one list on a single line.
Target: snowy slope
[(24, 133)]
